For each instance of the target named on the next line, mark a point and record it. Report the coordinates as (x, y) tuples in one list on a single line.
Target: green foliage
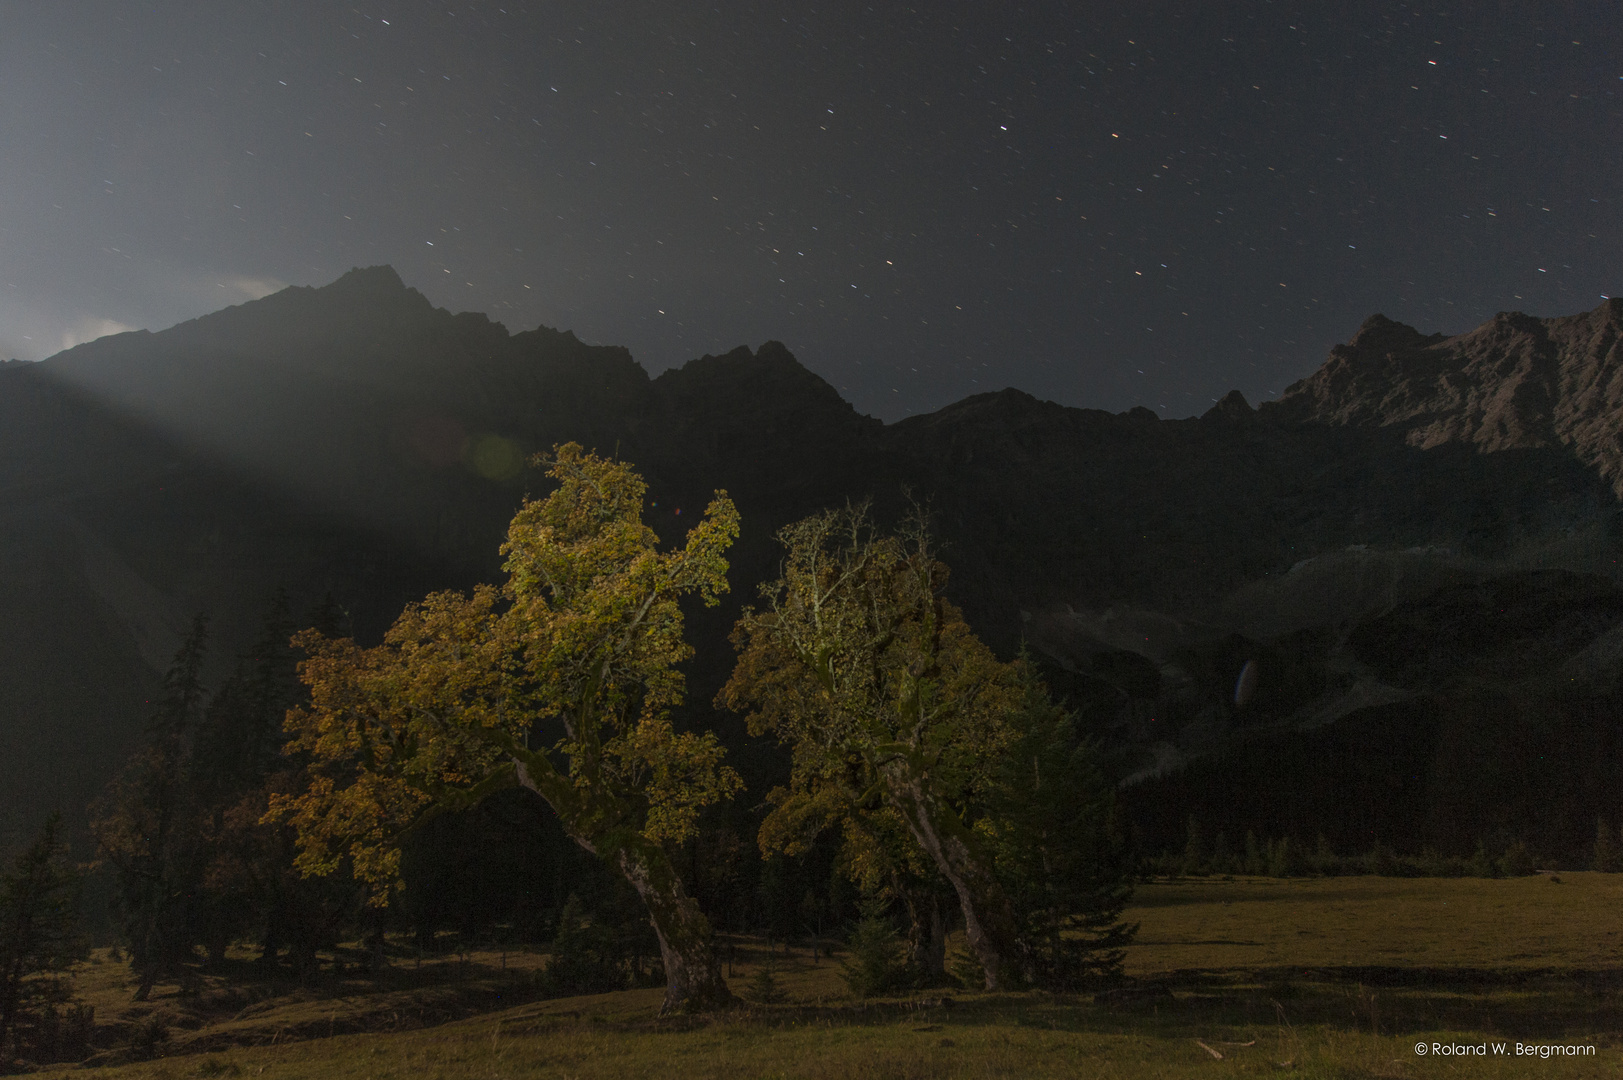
[(587, 957), (1254, 862), (1286, 858), (937, 759), (61, 1032), (1050, 821), (149, 1034), (239, 737), (1194, 850), (248, 887), (774, 890), (181, 824), (858, 662), (965, 969), (887, 698), (39, 938), (1481, 864), (878, 961), (1517, 861), (764, 988), (882, 859), (1324, 859)]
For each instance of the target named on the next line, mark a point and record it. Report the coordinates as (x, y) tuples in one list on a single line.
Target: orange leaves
[(586, 630), (389, 729)]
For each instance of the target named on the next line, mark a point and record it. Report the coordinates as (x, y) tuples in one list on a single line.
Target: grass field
[(1335, 977), (1575, 922)]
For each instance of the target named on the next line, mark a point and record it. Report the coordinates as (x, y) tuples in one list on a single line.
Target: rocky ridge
[(1514, 382)]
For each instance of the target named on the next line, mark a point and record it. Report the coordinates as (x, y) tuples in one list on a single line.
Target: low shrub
[(586, 956), (878, 962)]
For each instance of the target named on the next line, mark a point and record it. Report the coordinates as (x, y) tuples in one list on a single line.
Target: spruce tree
[(1051, 819), (246, 865), (39, 936), (144, 824), (239, 739), (1194, 849)]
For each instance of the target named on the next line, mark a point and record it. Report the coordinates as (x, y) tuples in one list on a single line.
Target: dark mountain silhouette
[(353, 440)]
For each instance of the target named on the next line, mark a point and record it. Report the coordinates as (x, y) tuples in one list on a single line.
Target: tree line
[(311, 797), (935, 761), (505, 762), (1285, 856)]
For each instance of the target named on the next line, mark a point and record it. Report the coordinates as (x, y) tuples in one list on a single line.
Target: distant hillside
[(352, 440)]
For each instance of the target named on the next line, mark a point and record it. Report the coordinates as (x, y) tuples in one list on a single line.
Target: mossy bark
[(989, 924), (693, 979)]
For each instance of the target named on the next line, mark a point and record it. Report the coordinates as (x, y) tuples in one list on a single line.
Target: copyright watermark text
[(1504, 1049)]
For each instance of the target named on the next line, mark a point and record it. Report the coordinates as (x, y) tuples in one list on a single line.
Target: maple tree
[(559, 681), (887, 697)]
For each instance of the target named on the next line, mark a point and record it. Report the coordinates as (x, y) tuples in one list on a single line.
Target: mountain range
[(1413, 551)]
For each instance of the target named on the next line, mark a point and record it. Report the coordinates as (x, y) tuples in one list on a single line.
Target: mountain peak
[(1380, 336), (1233, 406), (1515, 382), (361, 288), (381, 277), (771, 371), (367, 284)]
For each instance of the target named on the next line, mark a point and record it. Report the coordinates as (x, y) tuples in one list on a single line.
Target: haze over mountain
[(355, 441)]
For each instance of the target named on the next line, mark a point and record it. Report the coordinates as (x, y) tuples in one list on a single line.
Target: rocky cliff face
[(1514, 382)]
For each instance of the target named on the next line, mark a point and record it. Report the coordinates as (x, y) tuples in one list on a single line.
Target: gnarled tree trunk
[(989, 924), (927, 927), (693, 979)]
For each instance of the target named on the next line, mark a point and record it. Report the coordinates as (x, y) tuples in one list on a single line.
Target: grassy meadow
[(1327, 977)]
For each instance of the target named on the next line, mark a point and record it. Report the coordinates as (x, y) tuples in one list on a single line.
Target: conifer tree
[(239, 737), (1051, 822), (142, 823), (248, 887), (39, 936)]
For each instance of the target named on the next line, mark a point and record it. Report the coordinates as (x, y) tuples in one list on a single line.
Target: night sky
[(1103, 204)]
